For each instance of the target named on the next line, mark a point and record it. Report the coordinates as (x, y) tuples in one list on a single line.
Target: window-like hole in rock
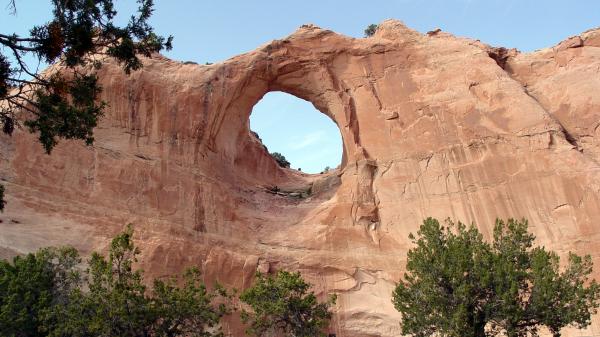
[(308, 139)]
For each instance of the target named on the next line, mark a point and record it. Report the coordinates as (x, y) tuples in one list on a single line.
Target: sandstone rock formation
[(432, 125)]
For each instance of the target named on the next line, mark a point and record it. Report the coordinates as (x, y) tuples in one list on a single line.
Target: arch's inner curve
[(291, 126)]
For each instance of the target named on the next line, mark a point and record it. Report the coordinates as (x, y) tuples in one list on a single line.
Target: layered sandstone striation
[(432, 125)]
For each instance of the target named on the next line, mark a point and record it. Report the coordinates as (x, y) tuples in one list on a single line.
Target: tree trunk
[(479, 329), (479, 324)]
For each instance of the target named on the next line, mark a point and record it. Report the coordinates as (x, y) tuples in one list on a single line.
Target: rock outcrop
[(432, 125)]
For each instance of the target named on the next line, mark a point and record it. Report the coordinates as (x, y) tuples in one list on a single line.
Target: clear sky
[(212, 31), (308, 139)]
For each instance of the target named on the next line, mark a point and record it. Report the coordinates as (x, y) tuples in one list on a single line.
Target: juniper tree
[(370, 30), (284, 304), (118, 303), (47, 294), (443, 290), (456, 284), (280, 159), (31, 285)]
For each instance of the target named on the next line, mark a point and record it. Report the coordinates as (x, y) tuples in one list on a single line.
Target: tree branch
[(24, 66), (22, 106), (18, 39), (9, 43)]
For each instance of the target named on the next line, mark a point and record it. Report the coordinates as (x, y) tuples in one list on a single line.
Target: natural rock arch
[(431, 126), (275, 68)]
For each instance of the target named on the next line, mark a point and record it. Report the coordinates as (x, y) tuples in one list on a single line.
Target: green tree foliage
[(280, 159), (31, 285), (283, 304), (116, 303), (182, 310), (457, 284), (370, 30), (43, 294), (441, 292), (64, 104)]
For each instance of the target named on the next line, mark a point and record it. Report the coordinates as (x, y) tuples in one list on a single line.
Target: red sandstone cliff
[(432, 125)]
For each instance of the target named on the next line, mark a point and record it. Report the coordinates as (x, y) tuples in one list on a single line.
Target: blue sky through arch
[(293, 127)]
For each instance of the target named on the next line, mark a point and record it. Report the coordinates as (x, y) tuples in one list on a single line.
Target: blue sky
[(307, 138), (212, 31)]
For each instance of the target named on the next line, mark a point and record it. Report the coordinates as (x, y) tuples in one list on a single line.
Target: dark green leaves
[(72, 116), (5, 73), (442, 292), (280, 159), (370, 30), (183, 309), (562, 298), (283, 303), (43, 294), (31, 286), (118, 303), (456, 284)]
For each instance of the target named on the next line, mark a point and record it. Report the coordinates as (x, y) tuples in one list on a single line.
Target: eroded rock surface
[(432, 125)]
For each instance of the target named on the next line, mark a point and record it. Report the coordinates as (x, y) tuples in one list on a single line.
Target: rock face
[(432, 125)]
